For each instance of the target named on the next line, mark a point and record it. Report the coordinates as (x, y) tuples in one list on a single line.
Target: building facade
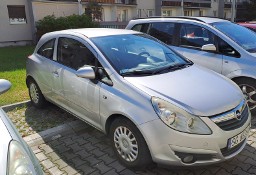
[(18, 17), (15, 27)]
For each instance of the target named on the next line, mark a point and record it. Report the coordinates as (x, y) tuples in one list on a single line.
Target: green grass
[(13, 68)]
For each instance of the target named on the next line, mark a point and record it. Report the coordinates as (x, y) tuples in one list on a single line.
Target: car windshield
[(138, 54), (241, 35)]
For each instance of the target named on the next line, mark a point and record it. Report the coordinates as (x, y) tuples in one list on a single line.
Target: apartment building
[(18, 17), (195, 7)]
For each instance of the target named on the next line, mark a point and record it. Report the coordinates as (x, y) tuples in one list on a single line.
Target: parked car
[(249, 25), (15, 155), (217, 44), (153, 103)]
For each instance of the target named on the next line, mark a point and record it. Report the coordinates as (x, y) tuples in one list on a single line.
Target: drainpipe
[(158, 4), (233, 11), (182, 7), (32, 21), (80, 7), (221, 9)]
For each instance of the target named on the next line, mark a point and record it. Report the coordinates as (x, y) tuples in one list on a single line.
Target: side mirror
[(86, 72), (209, 47), (5, 85)]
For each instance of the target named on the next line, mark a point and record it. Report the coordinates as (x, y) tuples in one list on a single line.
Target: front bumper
[(168, 146)]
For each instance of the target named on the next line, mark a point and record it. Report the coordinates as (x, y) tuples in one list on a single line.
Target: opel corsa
[(154, 104)]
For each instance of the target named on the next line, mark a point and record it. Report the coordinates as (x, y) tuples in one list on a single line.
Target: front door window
[(74, 54)]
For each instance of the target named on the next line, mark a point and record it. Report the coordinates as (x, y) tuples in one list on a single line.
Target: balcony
[(102, 1), (188, 3), (228, 5), (126, 2)]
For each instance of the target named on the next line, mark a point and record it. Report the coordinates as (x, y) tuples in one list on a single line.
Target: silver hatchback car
[(153, 103), (217, 44)]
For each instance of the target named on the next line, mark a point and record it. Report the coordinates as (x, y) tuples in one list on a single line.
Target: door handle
[(55, 73), (225, 61)]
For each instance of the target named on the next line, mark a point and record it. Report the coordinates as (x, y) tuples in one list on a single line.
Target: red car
[(249, 25)]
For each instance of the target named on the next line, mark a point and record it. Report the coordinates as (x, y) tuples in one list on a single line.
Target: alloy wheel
[(34, 93), (126, 144), (250, 95)]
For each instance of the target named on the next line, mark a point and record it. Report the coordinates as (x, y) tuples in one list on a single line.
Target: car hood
[(197, 90)]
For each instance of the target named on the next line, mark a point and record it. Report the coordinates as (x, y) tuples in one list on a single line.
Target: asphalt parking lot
[(77, 148)]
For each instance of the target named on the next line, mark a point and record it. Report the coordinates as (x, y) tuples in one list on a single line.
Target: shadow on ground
[(78, 148)]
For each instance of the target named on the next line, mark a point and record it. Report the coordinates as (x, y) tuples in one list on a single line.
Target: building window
[(214, 13), (17, 14), (139, 13), (150, 12), (201, 13), (166, 13), (187, 13), (124, 15)]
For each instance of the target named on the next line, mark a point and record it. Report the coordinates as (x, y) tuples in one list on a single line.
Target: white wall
[(12, 34), (145, 5), (42, 9)]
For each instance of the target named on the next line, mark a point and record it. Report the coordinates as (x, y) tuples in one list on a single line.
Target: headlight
[(19, 162), (179, 119)]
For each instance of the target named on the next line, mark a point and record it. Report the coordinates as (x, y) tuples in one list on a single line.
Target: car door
[(45, 68), (231, 57), (191, 39), (81, 95)]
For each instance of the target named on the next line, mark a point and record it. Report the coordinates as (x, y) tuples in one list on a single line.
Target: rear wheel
[(36, 95), (129, 144), (248, 87)]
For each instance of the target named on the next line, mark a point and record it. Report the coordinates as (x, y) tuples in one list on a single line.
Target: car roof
[(207, 20), (94, 32)]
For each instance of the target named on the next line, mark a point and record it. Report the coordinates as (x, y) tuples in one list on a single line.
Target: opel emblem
[(238, 115)]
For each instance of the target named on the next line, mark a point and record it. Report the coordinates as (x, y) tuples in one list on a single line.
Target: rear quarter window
[(141, 27), (47, 49), (163, 31)]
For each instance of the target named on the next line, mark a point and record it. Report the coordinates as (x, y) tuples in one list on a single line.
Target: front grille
[(227, 152), (229, 121)]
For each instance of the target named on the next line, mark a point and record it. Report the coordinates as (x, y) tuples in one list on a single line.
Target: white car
[(218, 44), (16, 158)]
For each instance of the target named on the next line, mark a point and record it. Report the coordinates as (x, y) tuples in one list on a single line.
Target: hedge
[(51, 23)]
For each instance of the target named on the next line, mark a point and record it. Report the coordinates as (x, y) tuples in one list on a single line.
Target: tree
[(94, 10)]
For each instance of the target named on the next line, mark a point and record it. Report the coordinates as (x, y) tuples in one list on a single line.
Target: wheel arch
[(113, 117), (29, 78), (235, 79)]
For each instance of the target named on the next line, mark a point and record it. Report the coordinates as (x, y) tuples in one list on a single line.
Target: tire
[(124, 134), (248, 87), (36, 95)]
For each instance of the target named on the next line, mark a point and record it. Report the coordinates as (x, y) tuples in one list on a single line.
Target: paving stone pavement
[(77, 148)]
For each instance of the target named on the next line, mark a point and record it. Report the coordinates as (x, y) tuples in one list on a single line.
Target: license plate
[(232, 142)]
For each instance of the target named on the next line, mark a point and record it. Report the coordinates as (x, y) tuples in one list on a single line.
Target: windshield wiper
[(173, 67), (137, 72)]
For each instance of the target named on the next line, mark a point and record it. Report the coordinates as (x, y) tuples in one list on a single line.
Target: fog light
[(188, 159)]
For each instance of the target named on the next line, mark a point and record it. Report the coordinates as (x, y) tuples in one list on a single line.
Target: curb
[(10, 107)]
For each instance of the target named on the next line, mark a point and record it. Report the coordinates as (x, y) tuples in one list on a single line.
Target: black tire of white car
[(36, 95), (248, 87), (129, 145)]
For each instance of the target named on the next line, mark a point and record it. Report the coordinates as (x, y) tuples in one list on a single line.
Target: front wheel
[(36, 95), (248, 87), (129, 144)]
